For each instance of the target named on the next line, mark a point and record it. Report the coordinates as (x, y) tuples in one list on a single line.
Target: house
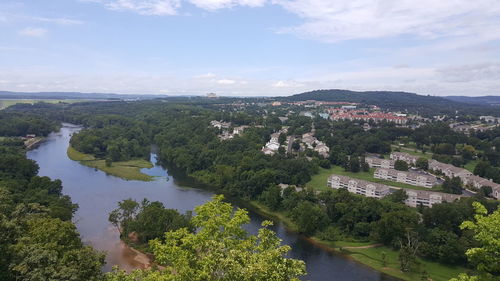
[(361, 187), (449, 170), (375, 162), (239, 130), (428, 198), (322, 149), (478, 182), (412, 178), (220, 124), (403, 156), (376, 190)]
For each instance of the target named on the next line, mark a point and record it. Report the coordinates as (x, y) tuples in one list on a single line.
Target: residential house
[(408, 158), (375, 162)]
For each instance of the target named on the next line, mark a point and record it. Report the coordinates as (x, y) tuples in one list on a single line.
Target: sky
[(250, 47)]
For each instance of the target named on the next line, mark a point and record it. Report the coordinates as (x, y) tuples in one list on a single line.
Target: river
[(97, 194)]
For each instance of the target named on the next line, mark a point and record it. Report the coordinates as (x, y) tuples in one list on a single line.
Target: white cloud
[(61, 21), (333, 21), (205, 76), (33, 32), (287, 84), (226, 81), (221, 4), (146, 7)]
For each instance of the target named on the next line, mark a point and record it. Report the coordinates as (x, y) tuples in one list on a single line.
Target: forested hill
[(402, 101), (487, 100)]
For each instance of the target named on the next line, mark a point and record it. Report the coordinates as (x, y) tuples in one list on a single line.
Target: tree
[(486, 257), (309, 217), (354, 165), (120, 217), (51, 250), (272, 197), (422, 163), (486, 190), (401, 165), (398, 196), (453, 185), (220, 250), (408, 251)]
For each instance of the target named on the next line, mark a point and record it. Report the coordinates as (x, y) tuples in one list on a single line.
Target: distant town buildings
[(412, 178), (364, 115), (211, 95)]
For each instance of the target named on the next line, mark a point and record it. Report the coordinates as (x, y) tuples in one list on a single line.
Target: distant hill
[(72, 95), (485, 100), (399, 101)]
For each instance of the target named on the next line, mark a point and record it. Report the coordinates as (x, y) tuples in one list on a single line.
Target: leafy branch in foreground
[(220, 250), (486, 258)]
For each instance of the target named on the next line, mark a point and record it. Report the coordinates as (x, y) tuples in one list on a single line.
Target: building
[(428, 198), (272, 145), (478, 182), (239, 130), (449, 170), (363, 115), (490, 119), (411, 178), (375, 162), (211, 95), (403, 156), (376, 190), (361, 187), (220, 125)]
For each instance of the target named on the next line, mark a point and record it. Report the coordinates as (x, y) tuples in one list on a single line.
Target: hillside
[(484, 100), (400, 101)]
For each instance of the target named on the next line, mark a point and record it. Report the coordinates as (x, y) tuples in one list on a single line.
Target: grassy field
[(411, 151), (471, 165), (373, 258), (128, 170), (7, 103), (319, 180)]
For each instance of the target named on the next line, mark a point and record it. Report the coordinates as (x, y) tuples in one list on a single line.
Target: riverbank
[(127, 170), (370, 253)]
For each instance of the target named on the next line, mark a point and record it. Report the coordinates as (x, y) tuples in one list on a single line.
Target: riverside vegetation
[(418, 243)]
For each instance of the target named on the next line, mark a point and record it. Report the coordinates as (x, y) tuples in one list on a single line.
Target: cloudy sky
[(250, 47)]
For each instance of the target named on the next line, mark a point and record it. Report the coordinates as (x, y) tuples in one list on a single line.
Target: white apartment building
[(365, 188), (375, 162), (376, 190), (408, 158), (411, 178), (428, 198)]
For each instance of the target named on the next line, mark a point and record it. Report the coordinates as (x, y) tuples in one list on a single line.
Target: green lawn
[(411, 151), (373, 258), (7, 103), (128, 170), (318, 181), (471, 165)]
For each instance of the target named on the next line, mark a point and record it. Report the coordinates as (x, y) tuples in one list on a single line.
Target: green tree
[(486, 257), (422, 163), (51, 250), (453, 185), (309, 217), (401, 165), (220, 250)]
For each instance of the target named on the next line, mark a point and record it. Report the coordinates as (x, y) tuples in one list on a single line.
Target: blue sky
[(250, 47)]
